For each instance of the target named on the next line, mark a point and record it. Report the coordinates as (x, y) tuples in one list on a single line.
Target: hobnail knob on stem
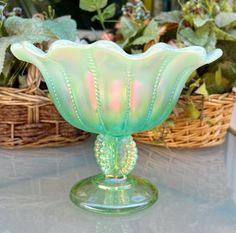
[(116, 156)]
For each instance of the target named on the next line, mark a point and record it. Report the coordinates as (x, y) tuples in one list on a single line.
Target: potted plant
[(27, 117), (203, 112)]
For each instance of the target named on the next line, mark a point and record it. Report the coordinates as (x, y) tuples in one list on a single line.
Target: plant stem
[(178, 29), (180, 3), (209, 7), (13, 78), (111, 21), (101, 19)]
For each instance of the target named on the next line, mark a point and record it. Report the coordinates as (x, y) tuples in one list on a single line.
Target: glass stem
[(116, 156)]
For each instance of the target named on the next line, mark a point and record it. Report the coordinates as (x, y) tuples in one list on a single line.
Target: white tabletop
[(197, 191)]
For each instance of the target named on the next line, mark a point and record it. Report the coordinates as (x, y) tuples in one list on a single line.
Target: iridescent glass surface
[(101, 89)]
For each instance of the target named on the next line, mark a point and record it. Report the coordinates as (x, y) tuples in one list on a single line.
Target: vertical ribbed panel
[(101, 89)]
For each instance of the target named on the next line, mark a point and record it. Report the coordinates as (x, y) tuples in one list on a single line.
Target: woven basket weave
[(207, 131), (28, 118)]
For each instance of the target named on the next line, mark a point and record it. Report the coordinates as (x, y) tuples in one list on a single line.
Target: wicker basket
[(207, 131), (28, 118)]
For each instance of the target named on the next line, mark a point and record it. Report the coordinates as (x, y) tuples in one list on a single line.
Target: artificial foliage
[(104, 13), (210, 24), (14, 28)]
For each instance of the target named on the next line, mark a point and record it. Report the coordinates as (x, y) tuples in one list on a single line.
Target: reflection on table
[(197, 191)]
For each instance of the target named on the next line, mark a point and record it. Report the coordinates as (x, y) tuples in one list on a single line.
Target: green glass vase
[(101, 89)]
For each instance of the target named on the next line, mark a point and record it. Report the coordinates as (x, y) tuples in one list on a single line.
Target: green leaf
[(127, 44), (95, 17), (211, 42), (4, 43), (20, 29), (224, 19), (150, 33), (232, 32), (199, 21), (34, 27), (170, 123), (142, 40), (233, 67), (92, 5), (203, 36), (62, 27), (192, 76), (190, 37), (193, 86), (9, 61), (192, 111), (222, 78), (169, 17), (211, 85), (229, 49), (218, 77), (127, 27), (228, 70), (223, 35), (196, 83), (151, 29), (22, 81), (202, 90), (109, 11)]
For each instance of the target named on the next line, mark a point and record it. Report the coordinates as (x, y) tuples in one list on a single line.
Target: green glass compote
[(101, 89)]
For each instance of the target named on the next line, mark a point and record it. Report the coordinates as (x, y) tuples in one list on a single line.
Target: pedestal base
[(114, 195)]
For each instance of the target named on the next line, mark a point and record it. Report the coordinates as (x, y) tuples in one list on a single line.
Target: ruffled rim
[(109, 45)]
